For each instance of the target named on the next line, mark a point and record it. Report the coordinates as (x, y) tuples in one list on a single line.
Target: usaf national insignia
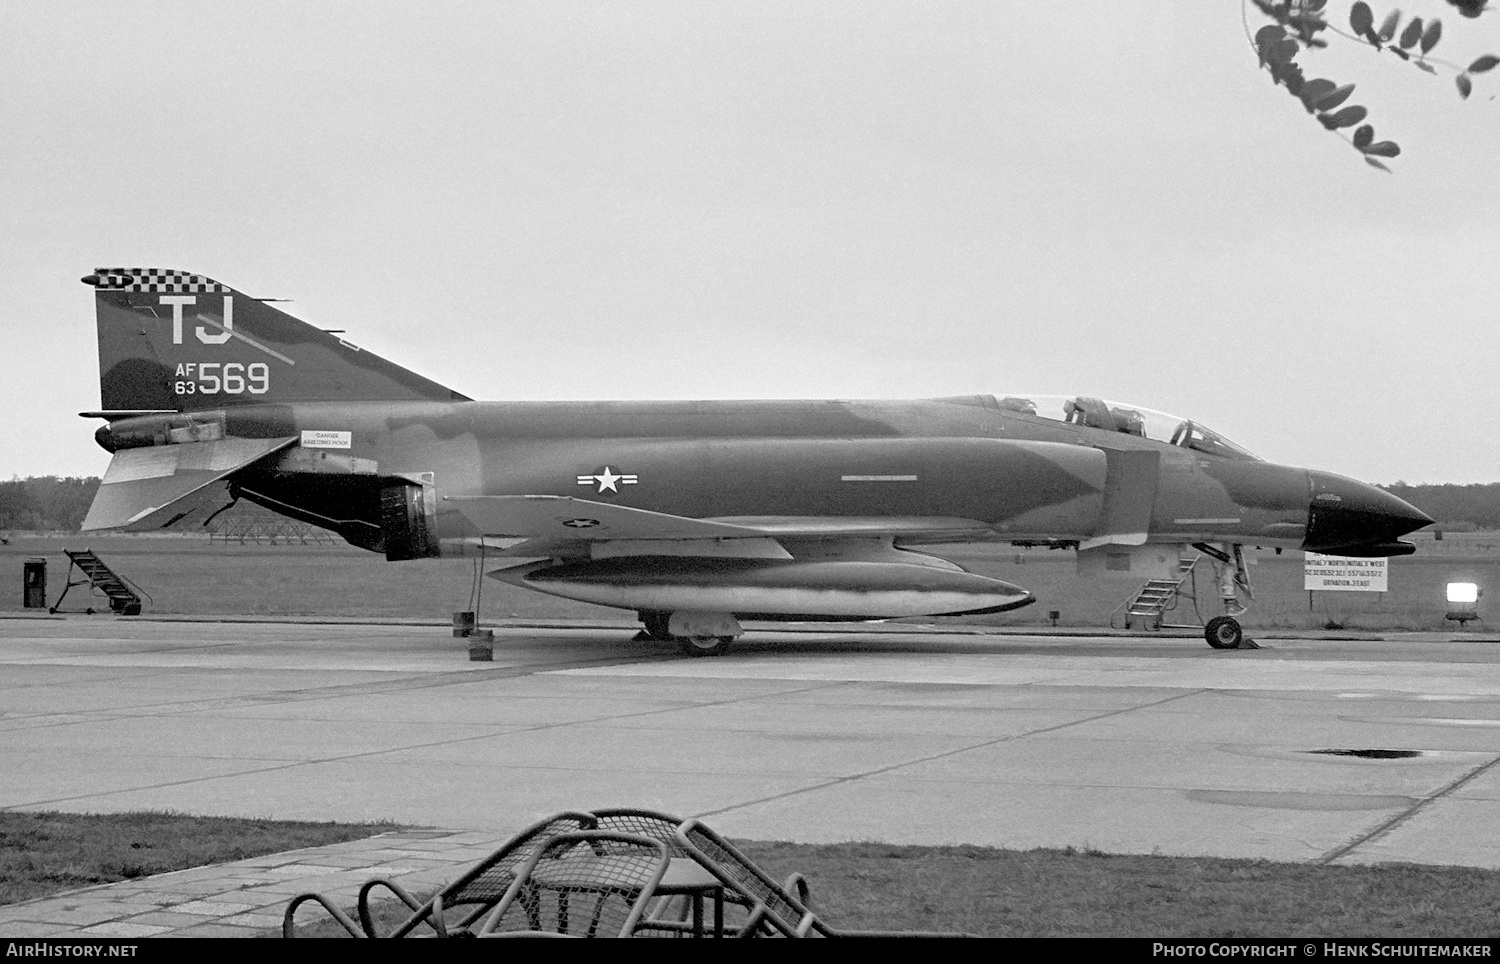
[(580, 523), (608, 480)]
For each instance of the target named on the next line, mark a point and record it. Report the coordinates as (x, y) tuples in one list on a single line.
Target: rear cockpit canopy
[(1125, 419)]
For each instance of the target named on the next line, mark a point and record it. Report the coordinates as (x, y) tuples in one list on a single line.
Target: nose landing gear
[(1224, 632)]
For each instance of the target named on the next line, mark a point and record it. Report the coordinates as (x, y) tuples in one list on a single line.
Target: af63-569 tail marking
[(222, 378)]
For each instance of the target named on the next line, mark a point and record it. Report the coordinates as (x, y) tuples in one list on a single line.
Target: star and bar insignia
[(608, 480)]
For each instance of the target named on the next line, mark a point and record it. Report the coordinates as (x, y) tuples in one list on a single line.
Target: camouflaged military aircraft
[(696, 515)]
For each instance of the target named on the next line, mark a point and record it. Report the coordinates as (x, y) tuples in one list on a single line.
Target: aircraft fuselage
[(1026, 478)]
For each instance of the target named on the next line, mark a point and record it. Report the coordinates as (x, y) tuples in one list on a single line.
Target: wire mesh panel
[(488, 882), (590, 884), (645, 823), (476, 892), (748, 881), (667, 916)]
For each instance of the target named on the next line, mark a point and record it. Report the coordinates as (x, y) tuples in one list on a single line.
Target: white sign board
[(326, 440), (1343, 574)]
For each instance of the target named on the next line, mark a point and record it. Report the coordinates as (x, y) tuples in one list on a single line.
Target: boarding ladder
[(1158, 596), (124, 595)]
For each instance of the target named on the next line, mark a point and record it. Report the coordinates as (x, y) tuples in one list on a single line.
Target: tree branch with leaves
[(1299, 25)]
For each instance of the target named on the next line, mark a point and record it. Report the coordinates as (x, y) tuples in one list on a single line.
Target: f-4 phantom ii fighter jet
[(695, 515)]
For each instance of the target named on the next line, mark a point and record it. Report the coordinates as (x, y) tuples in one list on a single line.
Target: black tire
[(705, 645), (656, 626), (1223, 632)]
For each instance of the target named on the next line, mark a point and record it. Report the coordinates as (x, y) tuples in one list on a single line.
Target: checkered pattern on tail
[(162, 280)]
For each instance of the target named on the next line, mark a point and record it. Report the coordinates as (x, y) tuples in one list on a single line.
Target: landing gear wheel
[(1223, 632), (656, 626), (705, 645)]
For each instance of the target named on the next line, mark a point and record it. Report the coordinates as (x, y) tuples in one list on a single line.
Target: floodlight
[(1463, 592), (1463, 602)]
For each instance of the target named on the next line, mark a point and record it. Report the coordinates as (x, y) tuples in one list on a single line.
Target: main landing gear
[(705, 645), (696, 634)]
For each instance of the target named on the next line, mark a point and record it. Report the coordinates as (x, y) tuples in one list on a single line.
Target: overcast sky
[(766, 200)]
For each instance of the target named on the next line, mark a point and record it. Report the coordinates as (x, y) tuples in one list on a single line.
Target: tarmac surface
[(1129, 744)]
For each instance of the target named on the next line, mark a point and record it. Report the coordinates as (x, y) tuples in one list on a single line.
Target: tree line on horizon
[(1455, 507), (46, 503), (50, 503)]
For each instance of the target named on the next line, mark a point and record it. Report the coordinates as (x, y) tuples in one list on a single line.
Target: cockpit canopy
[(1125, 419)]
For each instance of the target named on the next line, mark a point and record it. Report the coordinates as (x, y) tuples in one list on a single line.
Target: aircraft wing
[(546, 524), (581, 519), (160, 486), (926, 528)]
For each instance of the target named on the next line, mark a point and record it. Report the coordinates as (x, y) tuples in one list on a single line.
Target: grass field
[(1053, 893), (190, 576), (1070, 893), (981, 890), (47, 852)]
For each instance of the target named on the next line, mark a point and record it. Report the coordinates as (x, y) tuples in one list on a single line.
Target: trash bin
[(34, 584)]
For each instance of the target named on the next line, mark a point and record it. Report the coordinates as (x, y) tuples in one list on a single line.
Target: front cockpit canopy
[(1125, 419)]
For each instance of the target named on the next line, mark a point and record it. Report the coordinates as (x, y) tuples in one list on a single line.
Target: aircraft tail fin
[(174, 341)]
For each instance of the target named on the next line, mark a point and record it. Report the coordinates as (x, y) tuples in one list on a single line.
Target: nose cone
[(1352, 518)]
